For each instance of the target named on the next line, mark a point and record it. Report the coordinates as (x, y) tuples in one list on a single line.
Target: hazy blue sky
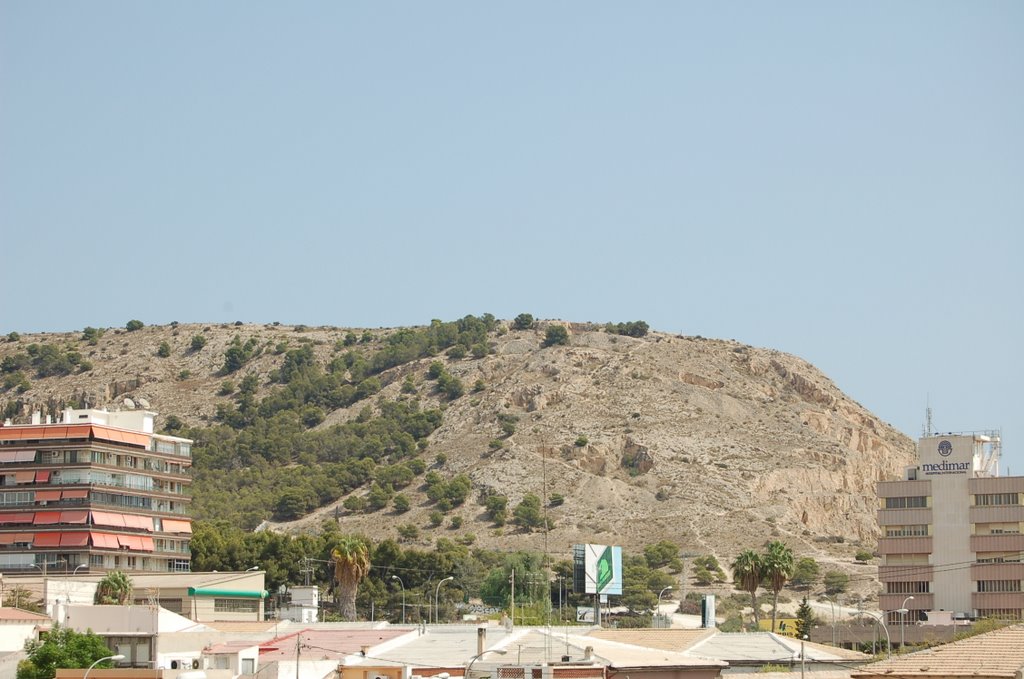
[(841, 181)]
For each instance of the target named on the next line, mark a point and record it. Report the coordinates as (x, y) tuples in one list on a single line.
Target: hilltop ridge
[(713, 444)]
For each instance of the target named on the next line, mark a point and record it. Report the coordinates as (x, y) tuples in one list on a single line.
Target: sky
[(842, 181)]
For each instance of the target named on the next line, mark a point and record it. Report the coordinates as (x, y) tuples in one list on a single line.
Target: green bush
[(630, 329), (555, 334), (13, 337), (164, 350), (133, 325), (198, 342), (436, 518), (835, 582), (401, 503), (864, 555), (581, 441), (92, 335), (556, 500), (523, 322)]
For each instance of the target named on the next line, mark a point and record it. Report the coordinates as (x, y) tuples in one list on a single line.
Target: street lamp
[(437, 590), (878, 620), (251, 569), (832, 604), (903, 619), (499, 651), (659, 597), (109, 657), (395, 577)]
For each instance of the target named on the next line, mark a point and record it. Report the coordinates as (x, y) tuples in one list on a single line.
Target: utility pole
[(513, 590)]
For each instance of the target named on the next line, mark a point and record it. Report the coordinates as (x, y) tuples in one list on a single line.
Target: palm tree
[(777, 567), (747, 574), (114, 589), (351, 564)]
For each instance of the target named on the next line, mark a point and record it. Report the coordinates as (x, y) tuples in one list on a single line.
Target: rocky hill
[(713, 444)]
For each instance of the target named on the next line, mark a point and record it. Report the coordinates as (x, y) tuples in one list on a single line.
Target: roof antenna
[(927, 417)]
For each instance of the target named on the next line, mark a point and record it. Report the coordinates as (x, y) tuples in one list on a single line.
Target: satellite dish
[(144, 403), (130, 404)]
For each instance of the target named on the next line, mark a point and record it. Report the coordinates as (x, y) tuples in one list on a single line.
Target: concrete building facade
[(952, 537), (98, 491)]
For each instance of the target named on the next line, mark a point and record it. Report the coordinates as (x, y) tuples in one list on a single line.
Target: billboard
[(602, 569)]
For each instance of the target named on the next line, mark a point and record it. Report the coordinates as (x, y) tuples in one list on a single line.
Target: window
[(906, 531), (236, 605), (96, 560), (914, 502), (996, 499), (998, 585), (906, 587), (1000, 557)]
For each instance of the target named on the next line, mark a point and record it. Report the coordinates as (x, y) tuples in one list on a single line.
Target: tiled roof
[(335, 644), (621, 656), (665, 639), (995, 654), (754, 647), (17, 615)]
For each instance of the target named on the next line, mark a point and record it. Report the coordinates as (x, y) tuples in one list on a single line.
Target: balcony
[(919, 516), (997, 514), (904, 488), (997, 571), (918, 545), (988, 600), (920, 602), (906, 573), (1005, 542)]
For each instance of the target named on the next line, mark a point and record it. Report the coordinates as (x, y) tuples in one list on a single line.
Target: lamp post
[(878, 619), (250, 569), (437, 591), (659, 598), (903, 619), (832, 604), (109, 657), (395, 577), (499, 651)]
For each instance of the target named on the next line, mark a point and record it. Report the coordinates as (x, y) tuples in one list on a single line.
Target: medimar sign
[(602, 567)]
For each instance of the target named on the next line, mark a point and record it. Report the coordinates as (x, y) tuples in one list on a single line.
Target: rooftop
[(994, 654)]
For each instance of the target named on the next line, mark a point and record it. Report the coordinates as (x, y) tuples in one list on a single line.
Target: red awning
[(46, 540), (104, 540), (6, 538), (74, 494), (130, 541), (79, 539), (108, 519), (43, 477), (24, 477), (24, 537), (17, 517), (47, 495), (78, 516), (44, 518), (135, 521), (147, 543), (177, 526)]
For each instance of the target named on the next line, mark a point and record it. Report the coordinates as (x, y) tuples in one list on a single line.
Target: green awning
[(229, 593)]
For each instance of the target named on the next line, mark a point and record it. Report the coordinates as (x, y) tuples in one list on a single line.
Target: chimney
[(481, 639), (36, 417)]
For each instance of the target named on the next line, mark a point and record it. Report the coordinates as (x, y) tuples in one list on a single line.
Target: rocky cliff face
[(713, 444)]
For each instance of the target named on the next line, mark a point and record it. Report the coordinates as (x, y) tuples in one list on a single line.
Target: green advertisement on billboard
[(602, 565)]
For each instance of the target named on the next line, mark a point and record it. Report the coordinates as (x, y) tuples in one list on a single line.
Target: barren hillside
[(710, 443)]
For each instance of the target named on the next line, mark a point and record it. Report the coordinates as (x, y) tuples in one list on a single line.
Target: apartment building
[(98, 491), (952, 532)]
